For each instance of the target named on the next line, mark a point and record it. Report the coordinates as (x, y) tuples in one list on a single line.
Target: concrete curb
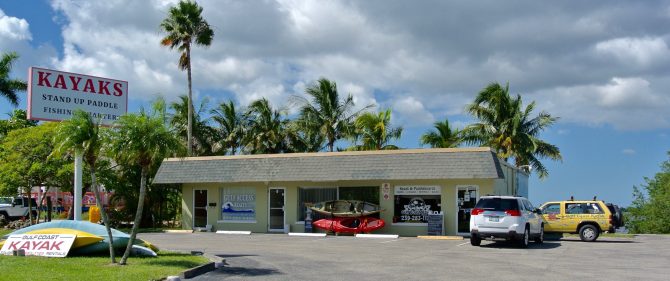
[(178, 231), (233, 232), (387, 236), (441, 237), (307, 234), (198, 270)]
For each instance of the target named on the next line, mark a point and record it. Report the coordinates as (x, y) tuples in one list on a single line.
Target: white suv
[(508, 217)]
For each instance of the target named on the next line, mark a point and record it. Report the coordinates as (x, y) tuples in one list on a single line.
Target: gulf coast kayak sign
[(47, 245), (53, 95)]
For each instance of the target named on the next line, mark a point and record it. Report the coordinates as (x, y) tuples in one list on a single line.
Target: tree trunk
[(138, 215), (189, 130), (103, 213)]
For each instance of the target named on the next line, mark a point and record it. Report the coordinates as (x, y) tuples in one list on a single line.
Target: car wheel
[(540, 237), (475, 241), (525, 239), (588, 233)]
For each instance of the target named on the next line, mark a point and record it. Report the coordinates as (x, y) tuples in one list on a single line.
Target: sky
[(601, 66)]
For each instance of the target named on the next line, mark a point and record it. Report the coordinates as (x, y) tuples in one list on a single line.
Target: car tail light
[(513, 213), (476, 211), (611, 220)]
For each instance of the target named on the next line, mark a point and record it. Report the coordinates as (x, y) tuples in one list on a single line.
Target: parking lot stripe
[(463, 244)]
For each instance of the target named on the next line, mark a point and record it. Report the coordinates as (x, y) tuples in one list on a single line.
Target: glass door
[(276, 209), (199, 208), (466, 200)]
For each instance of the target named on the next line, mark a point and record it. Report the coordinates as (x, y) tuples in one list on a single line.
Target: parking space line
[(462, 244)]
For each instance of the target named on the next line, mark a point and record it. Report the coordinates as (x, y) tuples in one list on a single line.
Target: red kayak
[(350, 225)]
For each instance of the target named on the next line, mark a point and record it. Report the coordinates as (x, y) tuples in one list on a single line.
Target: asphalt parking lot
[(282, 257)]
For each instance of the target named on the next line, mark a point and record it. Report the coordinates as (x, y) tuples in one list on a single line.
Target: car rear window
[(497, 204)]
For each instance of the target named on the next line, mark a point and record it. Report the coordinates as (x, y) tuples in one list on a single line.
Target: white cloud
[(381, 51), (628, 151), (411, 113), (626, 103), (563, 132), (13, 28), (641, 51)]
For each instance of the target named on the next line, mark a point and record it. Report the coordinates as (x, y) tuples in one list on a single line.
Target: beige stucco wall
[(448, 201)]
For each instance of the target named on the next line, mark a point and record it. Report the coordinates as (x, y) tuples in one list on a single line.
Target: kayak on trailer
[(91, 238), (350, 225), (345, 208)]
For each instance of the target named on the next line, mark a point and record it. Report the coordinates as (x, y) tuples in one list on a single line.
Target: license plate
[(494, 219)]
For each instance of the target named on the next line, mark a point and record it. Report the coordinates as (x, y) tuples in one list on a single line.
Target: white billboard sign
[(53, 95), (417, 190), (47, 245)]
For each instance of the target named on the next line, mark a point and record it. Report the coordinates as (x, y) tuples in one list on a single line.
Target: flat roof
[(407, 164)]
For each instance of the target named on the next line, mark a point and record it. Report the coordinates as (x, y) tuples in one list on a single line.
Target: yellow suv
[(588, 218)]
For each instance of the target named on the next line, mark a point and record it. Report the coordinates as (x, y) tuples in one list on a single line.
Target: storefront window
[(363, 193), (238, 204), (413, 204), (314, 195)]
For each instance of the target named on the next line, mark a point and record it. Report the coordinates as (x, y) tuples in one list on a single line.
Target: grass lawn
[(97, 268)]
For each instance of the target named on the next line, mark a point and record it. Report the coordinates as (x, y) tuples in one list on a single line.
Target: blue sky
[(601, 66)]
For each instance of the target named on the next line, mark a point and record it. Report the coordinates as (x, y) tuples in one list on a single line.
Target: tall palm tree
[(375, 131), (509, 129), (444, 137), (202, 135), (266, 129), (82, 135), (325, 111), (231, 126), (143, 139), (9, 87), (185, 26), (303, 137)]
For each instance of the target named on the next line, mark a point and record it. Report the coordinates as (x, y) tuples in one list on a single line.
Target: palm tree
[(202, 134), (9, 87), (509, 129), (143, 139), (375, 131), (302, 137), (231, 126), (82, 134), (445, 137), (326, 111), (184, 26), (266, 129)]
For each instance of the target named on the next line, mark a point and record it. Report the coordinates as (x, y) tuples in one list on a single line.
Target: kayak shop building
[(416, 188)]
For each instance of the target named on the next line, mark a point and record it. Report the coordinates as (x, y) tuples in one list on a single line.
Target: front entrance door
[(276, 209), (199, 208), (466, 200)]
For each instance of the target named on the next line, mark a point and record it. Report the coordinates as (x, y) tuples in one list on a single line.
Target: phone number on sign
[(413, 218)]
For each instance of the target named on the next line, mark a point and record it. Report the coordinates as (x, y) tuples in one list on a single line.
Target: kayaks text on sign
[(48, 245), (53, 95)]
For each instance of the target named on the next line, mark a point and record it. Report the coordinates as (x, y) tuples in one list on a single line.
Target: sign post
[(78, 171), (54, 95)]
